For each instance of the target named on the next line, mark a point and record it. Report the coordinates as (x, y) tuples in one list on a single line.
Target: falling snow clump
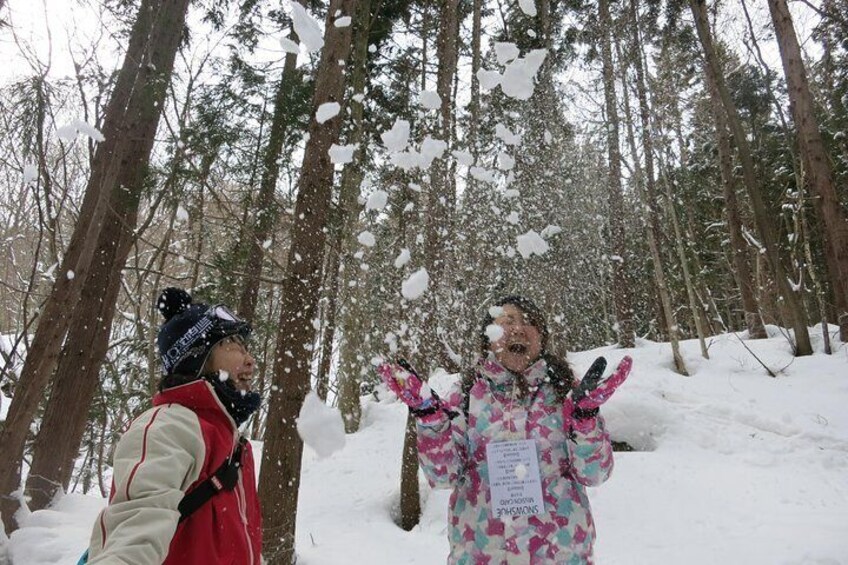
[(306, 28), (528, 7), (519, 75), (416, 285), (489, 80), (531, 243), (367, 239), (327, 111), (494, 332), (320, 426), (430, 100), (30, 173), (402, 258), (397, 138), (506, 52), (341, 154), (377, 200), (289, 46), (78, 127)]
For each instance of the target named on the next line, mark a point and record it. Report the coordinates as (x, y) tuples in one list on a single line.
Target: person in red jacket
[(183, 489)]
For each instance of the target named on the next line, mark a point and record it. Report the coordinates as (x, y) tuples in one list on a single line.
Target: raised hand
[(401, 379), (591, 379), (595, 389)]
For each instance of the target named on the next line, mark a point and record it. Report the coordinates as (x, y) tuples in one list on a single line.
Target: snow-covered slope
[(733, 467)]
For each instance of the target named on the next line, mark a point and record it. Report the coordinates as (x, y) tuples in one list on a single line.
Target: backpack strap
[(224, 478)]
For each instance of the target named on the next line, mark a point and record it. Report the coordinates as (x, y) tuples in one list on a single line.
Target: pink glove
[(401, 379)]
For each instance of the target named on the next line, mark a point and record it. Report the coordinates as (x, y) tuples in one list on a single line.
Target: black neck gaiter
[(239, 404)]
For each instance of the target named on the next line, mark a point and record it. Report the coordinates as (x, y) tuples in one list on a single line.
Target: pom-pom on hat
[(191, 330)]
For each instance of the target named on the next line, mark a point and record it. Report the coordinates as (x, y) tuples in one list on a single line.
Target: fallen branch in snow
[(754, 355)]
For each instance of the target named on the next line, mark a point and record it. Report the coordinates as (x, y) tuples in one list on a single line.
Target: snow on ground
[(733, 467)]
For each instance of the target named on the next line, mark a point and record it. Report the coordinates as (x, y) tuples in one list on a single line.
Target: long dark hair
[(559, 372)]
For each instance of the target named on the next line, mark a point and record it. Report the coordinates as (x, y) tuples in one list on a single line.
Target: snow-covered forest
[(362, 179)]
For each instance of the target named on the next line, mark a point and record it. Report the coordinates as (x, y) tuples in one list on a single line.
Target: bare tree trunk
[(820, 170), (43, 352), (440, 198), (280, 479), (101, 455), (348, 211), (266, 208), (196, 228), (57, 444), (739, 248), (799, 166), (125, 130), (256, 428), (621, 292), (152, 311), (650, 193), (820, 295), (474, 106), (694, 303), (410, 497), (322, 379), (49, 218), (437, 222), (794, 305), (350, 404)]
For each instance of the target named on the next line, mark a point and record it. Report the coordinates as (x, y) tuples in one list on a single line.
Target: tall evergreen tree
[(280, 479), (98, 249)]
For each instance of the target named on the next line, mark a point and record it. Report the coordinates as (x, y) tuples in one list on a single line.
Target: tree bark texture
[(129, 125), (437, 239), (348, 211), (440, 197), (57, 444), (792, 302), (266, 208), (281, 460), (474, 105), (738, 245), (694, 303), (819, 167), (410, 496), (621, 293), (654, 231)]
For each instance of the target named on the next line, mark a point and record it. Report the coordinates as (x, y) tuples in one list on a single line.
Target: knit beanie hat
[(191, 331)]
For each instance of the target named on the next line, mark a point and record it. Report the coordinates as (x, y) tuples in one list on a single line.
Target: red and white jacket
[(165, 452)]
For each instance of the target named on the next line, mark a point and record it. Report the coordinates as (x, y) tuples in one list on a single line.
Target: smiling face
[(521, 342), (231, 355)]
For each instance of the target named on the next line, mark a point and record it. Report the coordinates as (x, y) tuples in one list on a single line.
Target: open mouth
[(517, 348)]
